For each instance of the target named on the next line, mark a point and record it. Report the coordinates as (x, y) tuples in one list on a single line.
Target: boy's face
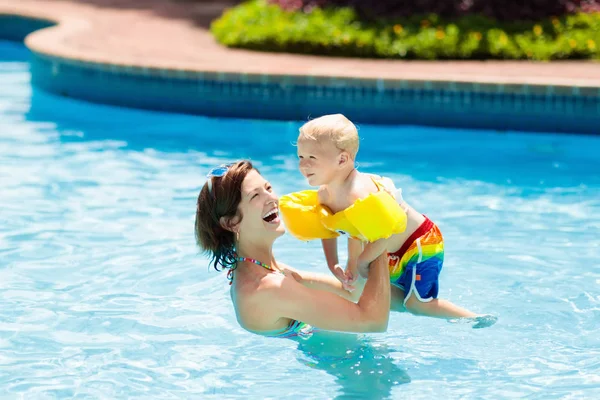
[(318, 160)]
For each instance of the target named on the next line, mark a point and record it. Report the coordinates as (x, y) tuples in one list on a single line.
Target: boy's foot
[(482, 321)]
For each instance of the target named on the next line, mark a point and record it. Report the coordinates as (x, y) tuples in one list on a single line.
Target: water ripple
[(105, 296)]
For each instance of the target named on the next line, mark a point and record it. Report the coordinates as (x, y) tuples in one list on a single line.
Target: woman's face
[(259, 208)]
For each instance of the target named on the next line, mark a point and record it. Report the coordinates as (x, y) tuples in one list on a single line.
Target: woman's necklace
[(252, 260)]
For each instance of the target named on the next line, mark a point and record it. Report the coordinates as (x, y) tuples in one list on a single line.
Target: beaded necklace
[(252, 260)]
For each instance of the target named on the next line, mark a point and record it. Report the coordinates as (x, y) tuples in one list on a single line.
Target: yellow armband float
[(377, 216), (302, 215)]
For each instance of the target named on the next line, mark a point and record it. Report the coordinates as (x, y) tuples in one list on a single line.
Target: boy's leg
[(421, 297), (437, 308), (397, 299), (423, 265), (422, 283)]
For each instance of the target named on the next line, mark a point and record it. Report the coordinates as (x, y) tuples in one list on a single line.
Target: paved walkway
[(174, 34)]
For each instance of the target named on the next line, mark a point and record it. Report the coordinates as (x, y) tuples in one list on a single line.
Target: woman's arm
[(371, 252), (325, 310), (315, 280)]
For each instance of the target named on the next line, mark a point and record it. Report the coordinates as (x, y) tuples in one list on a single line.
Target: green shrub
[(262, 26), (505, 10)]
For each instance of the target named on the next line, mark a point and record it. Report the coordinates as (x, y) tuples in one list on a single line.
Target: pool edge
[(525, 107)]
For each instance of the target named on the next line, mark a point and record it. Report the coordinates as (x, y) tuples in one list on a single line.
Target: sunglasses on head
[(217, 172)]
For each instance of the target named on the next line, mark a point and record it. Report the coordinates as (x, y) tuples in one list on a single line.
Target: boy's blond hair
[(335, 127)]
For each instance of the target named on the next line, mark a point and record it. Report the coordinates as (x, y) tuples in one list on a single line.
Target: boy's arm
[(331, 256), (355, 248), (330, 245), (331, 253), (370, 253)]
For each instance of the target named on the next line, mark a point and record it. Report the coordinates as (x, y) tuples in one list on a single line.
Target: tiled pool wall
[(14, 27), (449, 104)]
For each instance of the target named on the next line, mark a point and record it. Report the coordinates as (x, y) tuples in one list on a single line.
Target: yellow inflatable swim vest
[(377, 216)]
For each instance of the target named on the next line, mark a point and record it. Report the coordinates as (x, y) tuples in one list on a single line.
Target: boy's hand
[(351, 274), (339, 273)]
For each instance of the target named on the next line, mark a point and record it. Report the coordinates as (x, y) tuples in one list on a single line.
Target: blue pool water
[(103, 294)]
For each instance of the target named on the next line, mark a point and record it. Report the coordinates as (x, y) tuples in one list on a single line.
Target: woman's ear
[(231, 224)]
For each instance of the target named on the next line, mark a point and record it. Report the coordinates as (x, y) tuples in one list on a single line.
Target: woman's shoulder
[(253, 300), (261, 287)]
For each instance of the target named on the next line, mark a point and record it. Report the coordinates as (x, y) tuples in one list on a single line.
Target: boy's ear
[(343, 158)]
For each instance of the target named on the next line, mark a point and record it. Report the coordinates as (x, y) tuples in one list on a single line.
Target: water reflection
[(363, 367)]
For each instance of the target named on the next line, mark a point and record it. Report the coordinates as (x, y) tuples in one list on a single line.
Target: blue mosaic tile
[(456, 104)]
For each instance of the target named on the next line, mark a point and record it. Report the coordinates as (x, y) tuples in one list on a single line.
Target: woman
[(237, 223)]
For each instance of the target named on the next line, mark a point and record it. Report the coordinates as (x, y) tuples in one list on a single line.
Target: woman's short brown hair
[(220, 197)]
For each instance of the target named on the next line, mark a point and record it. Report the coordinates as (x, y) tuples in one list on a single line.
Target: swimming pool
[(103, 294)]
